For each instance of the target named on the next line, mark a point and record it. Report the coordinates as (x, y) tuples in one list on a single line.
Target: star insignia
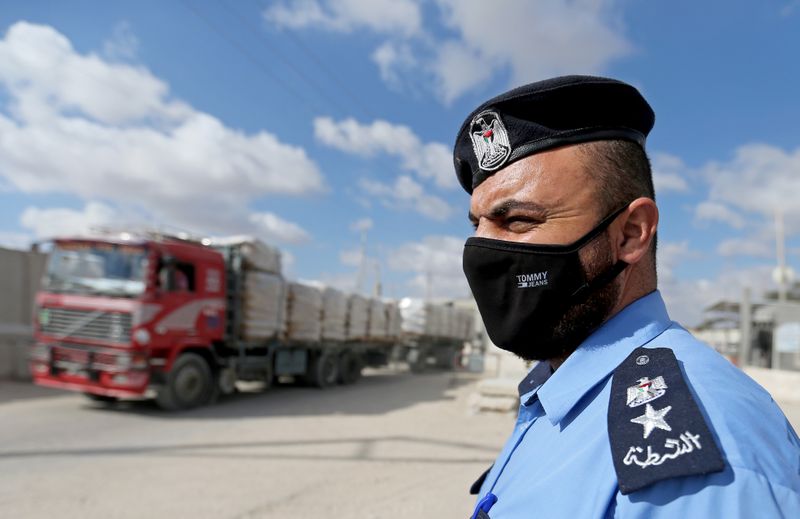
[(652, 419)]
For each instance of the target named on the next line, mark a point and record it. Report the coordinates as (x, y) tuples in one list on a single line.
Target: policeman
[(626, 414)]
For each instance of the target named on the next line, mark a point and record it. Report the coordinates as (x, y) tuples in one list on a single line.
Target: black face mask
[(523, 290)]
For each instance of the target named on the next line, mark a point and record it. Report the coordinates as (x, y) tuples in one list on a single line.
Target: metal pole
[(745, 327)]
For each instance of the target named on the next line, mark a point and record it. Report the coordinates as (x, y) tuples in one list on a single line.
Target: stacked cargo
[(441, 320), (264, 294), (304, 319), (377, 320), (263, 306), (357, 317), (413, 316), (334, 315), (393, 320)]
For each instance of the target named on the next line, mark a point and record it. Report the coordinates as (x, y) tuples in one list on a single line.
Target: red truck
[(130, 316)]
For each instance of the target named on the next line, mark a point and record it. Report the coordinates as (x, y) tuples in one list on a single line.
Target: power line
[(286, 61), (253, 59), (309, 52)]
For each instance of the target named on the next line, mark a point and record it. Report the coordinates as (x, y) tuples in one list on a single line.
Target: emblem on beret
[(489, 140), (646, 390)]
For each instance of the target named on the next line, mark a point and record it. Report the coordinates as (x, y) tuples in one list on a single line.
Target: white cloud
[(15, 240), (274, 228), (401, 17), (667, 171), (526, 40), (539, 39), (362, 225), (392, 59), (435, 263), (686, 299), (351, 257), (531, 39), (717, 212), (758, 246), (405, 193), (51, 222), (79, 125), (759, 179), (431, 160), (123, 44), (670, 255)]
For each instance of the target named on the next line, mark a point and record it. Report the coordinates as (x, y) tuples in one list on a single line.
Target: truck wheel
[(189, 384), (226, 381), (350, 366), (324, 370), (418, 359)]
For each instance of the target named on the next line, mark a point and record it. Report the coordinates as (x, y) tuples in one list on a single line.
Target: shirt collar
[(636, 325)]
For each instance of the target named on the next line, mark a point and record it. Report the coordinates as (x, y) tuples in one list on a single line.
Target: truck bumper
[(101, 371)]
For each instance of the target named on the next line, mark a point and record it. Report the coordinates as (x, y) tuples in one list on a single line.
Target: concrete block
[(500, 387), (6, 359), (497, 404), (784, 386), (21, 368)]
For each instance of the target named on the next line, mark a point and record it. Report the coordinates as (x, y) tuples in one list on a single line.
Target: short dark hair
[(622, 172)]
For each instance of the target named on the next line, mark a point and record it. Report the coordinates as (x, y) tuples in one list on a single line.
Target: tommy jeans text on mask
[(539, 279)]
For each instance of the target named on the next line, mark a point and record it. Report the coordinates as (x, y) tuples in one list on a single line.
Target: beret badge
[(489, 140)]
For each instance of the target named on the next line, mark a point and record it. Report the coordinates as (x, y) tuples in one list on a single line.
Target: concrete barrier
[(15, 342), (784, 386), (20, 272)]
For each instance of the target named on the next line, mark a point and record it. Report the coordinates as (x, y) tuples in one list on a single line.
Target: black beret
[(545, 115)]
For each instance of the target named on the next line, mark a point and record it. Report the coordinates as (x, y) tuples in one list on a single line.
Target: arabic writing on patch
[(686, 443)]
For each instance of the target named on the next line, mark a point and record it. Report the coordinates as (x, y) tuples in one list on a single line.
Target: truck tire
[(323, 370), (189, 384), (350, 366), (226, 381)]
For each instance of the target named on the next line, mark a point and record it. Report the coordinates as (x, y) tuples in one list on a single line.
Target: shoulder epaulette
[(655, 428)]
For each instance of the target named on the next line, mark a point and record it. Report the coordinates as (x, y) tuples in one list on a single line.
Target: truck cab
[(113, 314)]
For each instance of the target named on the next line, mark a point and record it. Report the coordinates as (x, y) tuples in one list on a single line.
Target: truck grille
[(85, 324)]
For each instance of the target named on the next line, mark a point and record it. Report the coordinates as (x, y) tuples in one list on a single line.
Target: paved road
[(394, 445)]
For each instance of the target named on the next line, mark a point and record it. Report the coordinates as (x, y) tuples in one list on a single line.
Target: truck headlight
[(141, 336)]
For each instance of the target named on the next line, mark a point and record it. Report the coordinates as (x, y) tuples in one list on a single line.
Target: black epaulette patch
[(655, 427)]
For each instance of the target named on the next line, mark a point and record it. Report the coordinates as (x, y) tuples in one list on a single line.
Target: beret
[(545, 115)]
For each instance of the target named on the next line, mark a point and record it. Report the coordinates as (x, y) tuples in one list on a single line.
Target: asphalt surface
[(393, 445)]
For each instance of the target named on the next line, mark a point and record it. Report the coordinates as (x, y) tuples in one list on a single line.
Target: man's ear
[(636, 229)]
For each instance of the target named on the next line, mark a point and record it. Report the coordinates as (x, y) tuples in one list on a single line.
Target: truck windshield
[(96, 268)]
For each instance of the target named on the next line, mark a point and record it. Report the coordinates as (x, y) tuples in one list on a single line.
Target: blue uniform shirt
[(558, 461)]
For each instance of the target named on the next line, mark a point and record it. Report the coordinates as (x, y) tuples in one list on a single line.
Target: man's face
[(550, 198)]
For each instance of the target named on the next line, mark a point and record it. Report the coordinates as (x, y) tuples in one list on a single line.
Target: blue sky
[(309, 122)]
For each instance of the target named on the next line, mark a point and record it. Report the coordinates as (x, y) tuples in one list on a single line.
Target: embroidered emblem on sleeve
[(663, 440), (646, 390)]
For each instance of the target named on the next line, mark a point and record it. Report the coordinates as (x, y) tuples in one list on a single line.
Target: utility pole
[(362, 264), (378, 286), (745, 328), (781, 273)]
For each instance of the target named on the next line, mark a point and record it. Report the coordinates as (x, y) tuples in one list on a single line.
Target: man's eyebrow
[(506, 206)]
